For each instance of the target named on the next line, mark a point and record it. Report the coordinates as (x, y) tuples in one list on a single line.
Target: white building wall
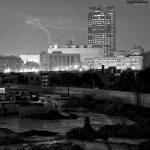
[(57, 60), (31, 57), (84, 52)]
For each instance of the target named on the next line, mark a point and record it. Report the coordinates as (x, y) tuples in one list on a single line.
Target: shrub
[(85, 133), (76, 147)]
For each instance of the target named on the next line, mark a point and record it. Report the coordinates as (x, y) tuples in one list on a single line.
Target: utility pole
[(137, 91), (69, 83), (68, 88), (68, 75)]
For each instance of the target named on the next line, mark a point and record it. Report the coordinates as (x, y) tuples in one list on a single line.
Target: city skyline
[(65, 20)]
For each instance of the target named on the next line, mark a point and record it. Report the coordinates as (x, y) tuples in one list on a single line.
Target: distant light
[(67, 68), (29, 70), (2, 90), (76, 67), (55, 46), (7, 70), (133, 67), (81, 69), (56, 69), (85, 67)]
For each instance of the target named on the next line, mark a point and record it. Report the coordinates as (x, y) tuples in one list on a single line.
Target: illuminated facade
[(102, 29), (123, 63), (30, 58), (57, 60), (84, 51)]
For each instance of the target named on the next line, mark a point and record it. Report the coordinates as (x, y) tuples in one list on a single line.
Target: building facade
[(135, 51), (102, 28), (57, 60), (85, 51), (30, 58), (123, 63)]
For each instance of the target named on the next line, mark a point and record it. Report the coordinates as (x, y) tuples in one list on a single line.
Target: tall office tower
[(102, 29)]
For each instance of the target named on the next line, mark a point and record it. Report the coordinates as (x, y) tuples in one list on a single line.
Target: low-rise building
[(57, 60), (30, 58), (123, 63), (85, 51)]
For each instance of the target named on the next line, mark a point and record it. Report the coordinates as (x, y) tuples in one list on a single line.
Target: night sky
[(66, 19)]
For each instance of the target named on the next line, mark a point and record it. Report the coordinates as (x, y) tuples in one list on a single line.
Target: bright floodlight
[(55, 46), (76, 67), (7, 70)]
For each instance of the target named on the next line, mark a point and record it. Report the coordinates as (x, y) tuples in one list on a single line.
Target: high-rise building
[(102, 29)]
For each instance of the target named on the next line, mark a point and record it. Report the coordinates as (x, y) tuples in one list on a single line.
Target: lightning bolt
[(36, 22)]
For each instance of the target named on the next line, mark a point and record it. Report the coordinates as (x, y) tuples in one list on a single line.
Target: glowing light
[(29, 70), (133, 67), (67, 68), (56, 69), (81, 69), (76, 67), (8, 70), (55, 46)]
